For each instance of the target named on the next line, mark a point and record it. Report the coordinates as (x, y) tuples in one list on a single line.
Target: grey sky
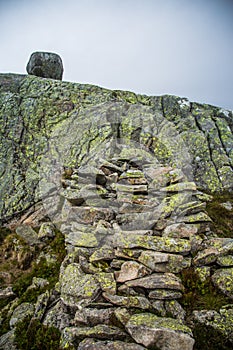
[(180, 47)]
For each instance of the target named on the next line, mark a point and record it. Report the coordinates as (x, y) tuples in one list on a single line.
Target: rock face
[(112, 173), (194, 138), (45, 65)]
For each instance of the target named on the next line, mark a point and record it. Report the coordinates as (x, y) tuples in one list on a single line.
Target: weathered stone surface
[(223, 279), (160, 244), (131, 270), (74, 334), (161, 333), (206, 257), (128, 302), (82, 239), (7, 341), (6, 293), (28, 234), (33, 106), (226, 260), (92, 317), (47, 231), (158, 281), (107, 282), (162, 262), (164, 294), (77, 287), (183, 186), (180, 230), (22, 311), (45, 65), (221, 321), (89, 215), (91, 344), (58, 316)]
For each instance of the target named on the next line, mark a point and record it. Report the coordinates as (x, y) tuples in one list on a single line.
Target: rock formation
[(45, 65), (108, 191)]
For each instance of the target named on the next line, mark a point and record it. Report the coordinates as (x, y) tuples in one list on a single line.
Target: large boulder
[(45, 65)]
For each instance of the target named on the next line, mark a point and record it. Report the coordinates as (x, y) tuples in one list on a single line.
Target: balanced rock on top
[(45, 65)]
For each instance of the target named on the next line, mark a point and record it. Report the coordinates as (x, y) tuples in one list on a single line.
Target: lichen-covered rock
[(45, 65), (221, 321), (162, 262), (131, 270), (22, 311), (223, 280), (158, 281), (160, 333), (78, 287), (92, 344), (128, 302), (72, 335)]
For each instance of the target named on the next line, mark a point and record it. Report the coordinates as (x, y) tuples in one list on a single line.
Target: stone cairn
[(128, 236)]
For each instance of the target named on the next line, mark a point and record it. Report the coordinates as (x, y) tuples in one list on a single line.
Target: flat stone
[(103, 332), (158, 281), (82, 239), (103, 253), (91, 344), (93, 317), (160, 244), (159, 332), (130, 188), (89, 215), (180, 230), (131, 270), (195, 218), (78, 287), (138, 221), (163, 262), (178, 187), (128, 302), (206, 257), (164, 294), (223, 280)]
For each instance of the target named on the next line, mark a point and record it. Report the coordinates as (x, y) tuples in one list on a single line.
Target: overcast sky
[(178, 47)]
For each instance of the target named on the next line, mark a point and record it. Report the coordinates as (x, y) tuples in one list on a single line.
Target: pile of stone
[(131, 227), (128, 236)]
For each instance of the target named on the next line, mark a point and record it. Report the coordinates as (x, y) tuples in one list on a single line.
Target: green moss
[(221, 217), (207, 337), (30, 334), (200, 294)]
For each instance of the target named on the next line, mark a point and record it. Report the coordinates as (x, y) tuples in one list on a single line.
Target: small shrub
[(30, 334)]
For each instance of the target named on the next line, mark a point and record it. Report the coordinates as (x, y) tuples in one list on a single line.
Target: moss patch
[(200, 294), (222, 217)]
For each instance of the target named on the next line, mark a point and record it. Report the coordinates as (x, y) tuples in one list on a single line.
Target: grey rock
[(158, 281), (128, 302), (6, 293), (22, 311), (28, 234), (161, 333), (222, 279), (7, 341), (58, 316), (78, 288), (131, 270), (45, 65), (91, 344), (93, 317), (47, 230), (164, 294)]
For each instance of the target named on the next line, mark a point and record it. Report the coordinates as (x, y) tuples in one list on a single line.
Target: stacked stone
[(126, 249)]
